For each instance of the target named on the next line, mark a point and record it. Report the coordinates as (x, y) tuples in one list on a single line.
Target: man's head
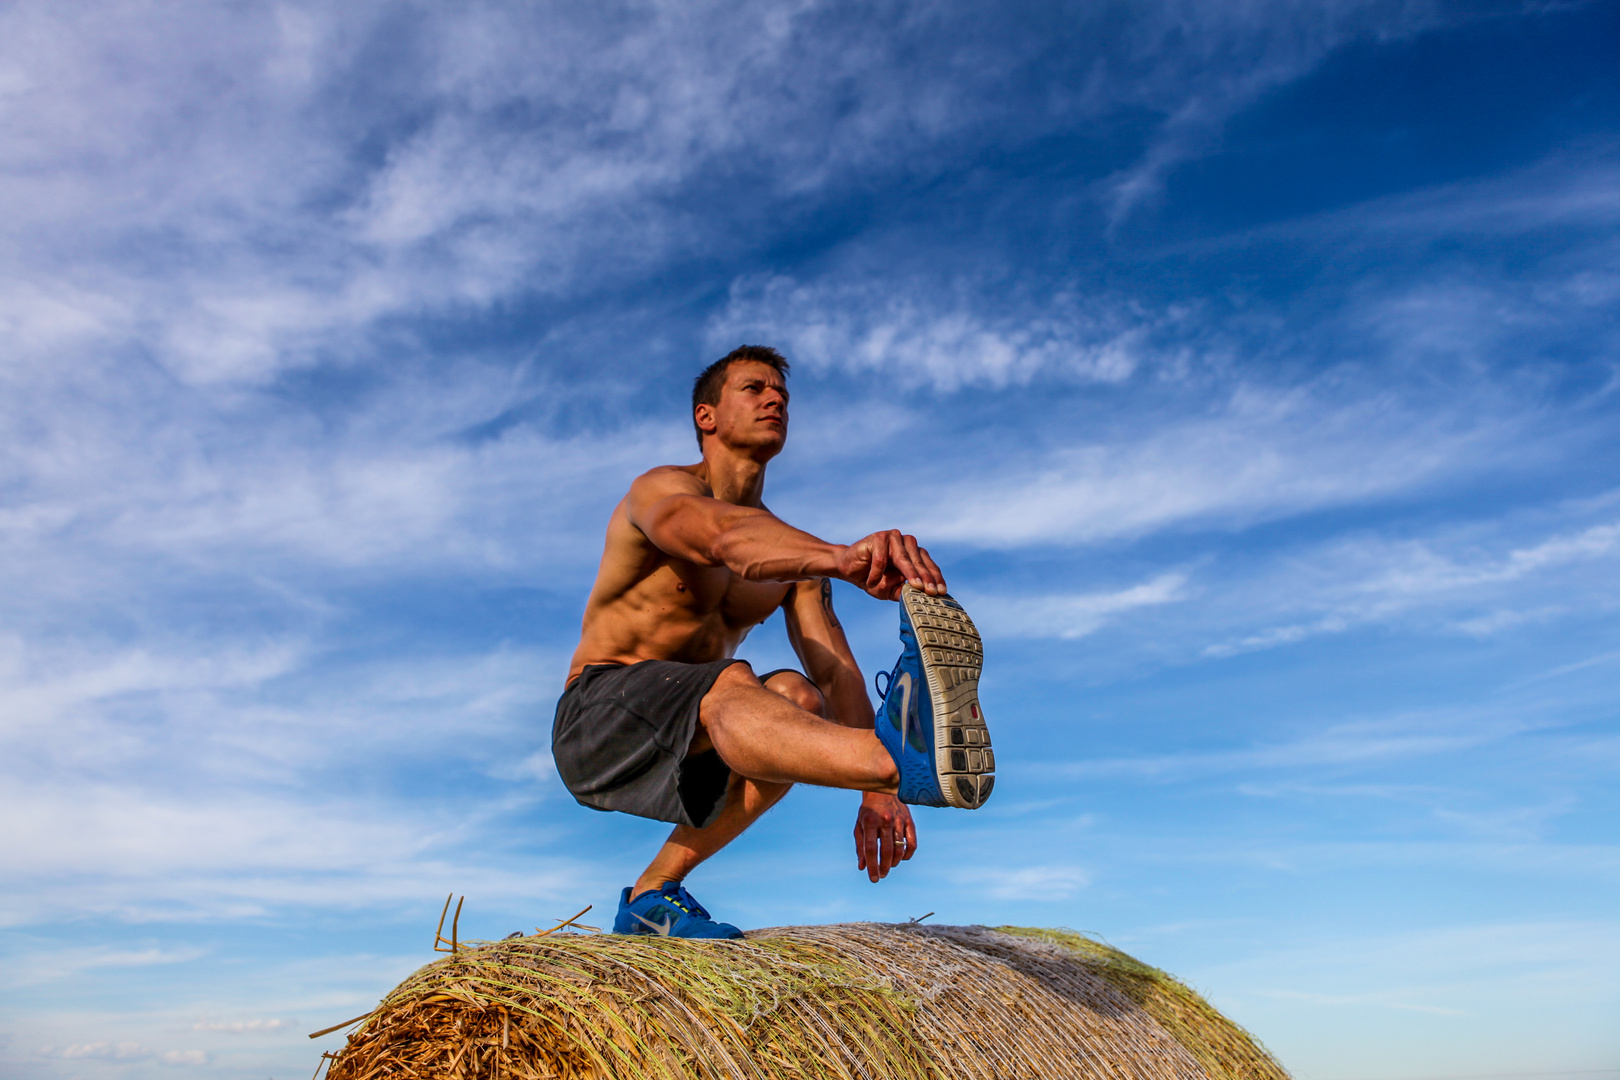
[(742, 398)]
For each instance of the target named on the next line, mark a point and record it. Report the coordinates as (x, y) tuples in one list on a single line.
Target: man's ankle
[(642, 888), (886, 771)]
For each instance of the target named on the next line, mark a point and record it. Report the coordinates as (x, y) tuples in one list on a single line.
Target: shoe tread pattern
[(952, 658)]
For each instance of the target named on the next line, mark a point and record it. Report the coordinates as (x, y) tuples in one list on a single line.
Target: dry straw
[(864, 1000)]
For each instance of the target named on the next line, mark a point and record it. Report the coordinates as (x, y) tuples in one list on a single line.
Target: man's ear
[(706, 422)]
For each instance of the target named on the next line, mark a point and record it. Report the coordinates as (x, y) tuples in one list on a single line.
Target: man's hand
[(885, 561), (884, 834)]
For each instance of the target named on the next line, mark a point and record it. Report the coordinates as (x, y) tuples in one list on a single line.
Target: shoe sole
[(952, 657)]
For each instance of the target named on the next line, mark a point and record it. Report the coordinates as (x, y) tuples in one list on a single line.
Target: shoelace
[(682, 899), (696, 909)]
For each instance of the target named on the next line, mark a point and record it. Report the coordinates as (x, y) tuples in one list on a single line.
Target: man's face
[(753, 410)]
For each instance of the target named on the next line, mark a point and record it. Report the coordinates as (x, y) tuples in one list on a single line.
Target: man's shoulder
[(664, 480)]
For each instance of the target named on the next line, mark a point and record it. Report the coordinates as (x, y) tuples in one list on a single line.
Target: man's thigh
[(622, 736), (783, 682)]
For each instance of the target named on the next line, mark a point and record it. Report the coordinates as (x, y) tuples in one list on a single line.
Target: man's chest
[(739, 603)]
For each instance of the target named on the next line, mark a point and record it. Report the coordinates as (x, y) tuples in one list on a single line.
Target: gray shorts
[(621, 737)]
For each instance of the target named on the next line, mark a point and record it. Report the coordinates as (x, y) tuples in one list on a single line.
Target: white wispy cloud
[(1265, 455), (1052, 882), (1281, 41), (1427, 571), (1073, 615), (1457, 810), (465, 207), (461, 208), (175, 784), (944, 342), (62, 963), (240, 1027), (119, 1051), (1566, 188), (220, 715), (1358, 743), (1442, 581), (203, 493), (124, 1051), (196, 872)]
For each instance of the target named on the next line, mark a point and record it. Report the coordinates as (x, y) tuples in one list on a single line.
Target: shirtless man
[(657, 718)]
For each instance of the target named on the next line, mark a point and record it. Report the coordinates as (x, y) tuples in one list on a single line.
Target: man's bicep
[(677, 520)]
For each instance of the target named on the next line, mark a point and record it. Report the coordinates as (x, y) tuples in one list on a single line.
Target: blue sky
[(1251, 368)]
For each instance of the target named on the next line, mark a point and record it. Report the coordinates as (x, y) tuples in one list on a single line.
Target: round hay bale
[(862, 1000)]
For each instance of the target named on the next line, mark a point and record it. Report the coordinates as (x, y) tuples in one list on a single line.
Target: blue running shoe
[(930, 720), (669, 911)]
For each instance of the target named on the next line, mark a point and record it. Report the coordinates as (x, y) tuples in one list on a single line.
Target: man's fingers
[(928, 563), (882, 563), (901, 568), (883, 576), (927, 574), (901, 550), (885, 836), (895, 841), (894, 553), (893, 559)]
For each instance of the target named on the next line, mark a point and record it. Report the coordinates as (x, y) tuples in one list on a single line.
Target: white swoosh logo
[(662, 930), (905, 703)]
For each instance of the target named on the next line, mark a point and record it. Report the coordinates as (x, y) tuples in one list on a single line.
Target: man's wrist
[(834, 566)]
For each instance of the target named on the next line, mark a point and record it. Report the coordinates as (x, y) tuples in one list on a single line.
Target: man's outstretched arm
[(884, 830), (670, 510)]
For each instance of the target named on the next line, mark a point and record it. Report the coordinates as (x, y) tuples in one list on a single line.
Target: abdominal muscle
[(679, 611)]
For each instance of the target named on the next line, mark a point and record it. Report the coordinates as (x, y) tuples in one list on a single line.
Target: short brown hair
[(707, 386)]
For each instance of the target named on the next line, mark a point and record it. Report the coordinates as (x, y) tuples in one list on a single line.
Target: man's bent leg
[(767, 737), (686, 847), (746, 800)]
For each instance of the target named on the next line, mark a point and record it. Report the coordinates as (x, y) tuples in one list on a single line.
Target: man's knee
[(799, 690), (733, 678)]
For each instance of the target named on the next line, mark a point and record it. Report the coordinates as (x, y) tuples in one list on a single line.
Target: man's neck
[(733, 477)]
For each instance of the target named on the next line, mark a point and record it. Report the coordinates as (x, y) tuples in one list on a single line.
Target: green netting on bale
[(864, 1001), (1221, 1046)]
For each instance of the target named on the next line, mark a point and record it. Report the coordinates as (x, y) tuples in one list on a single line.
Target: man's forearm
[(759, 546), (846, 698)]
